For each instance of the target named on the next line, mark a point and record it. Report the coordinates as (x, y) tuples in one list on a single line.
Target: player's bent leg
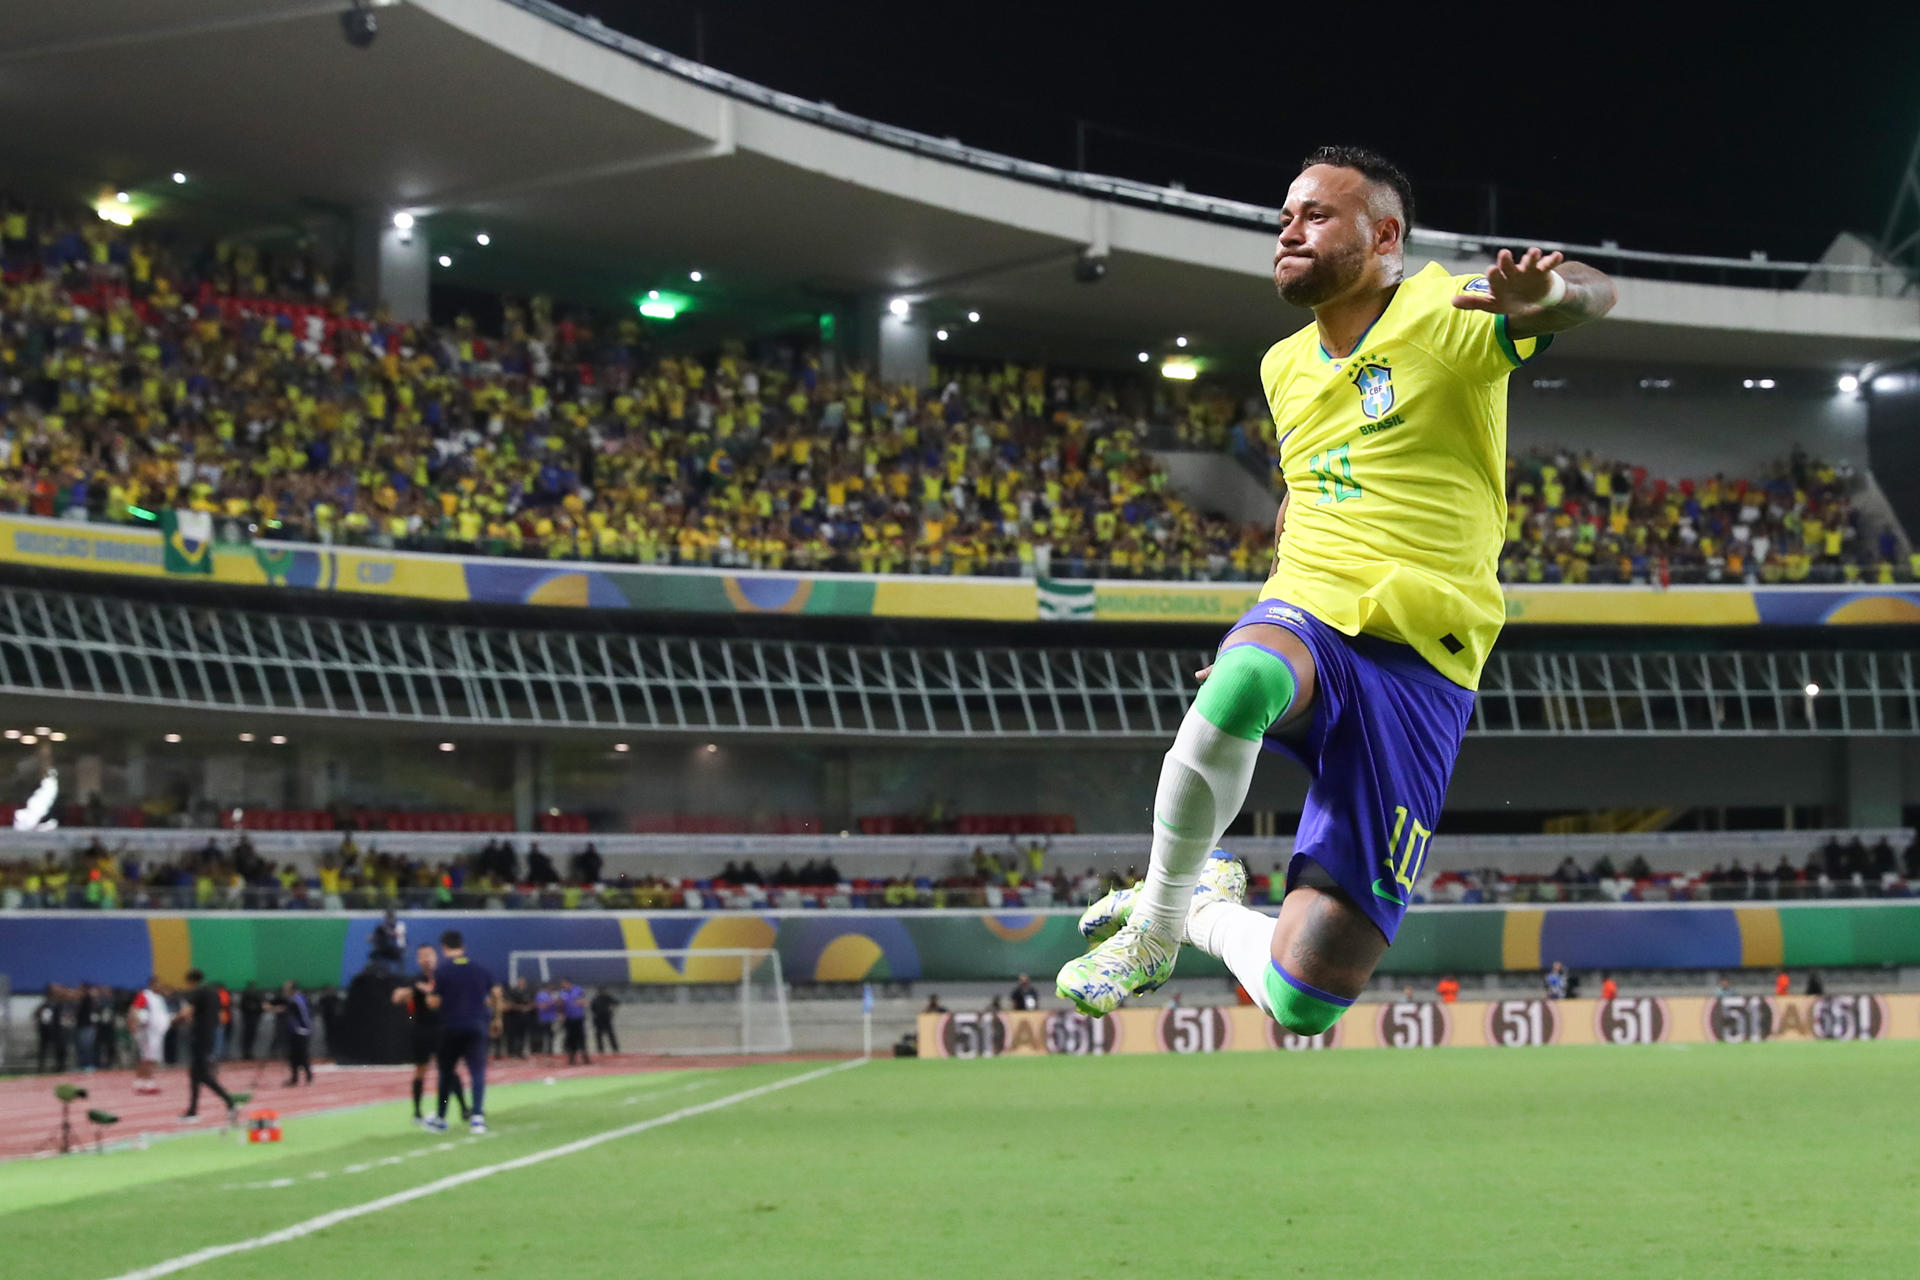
[(1304, 969), (1324, 950), (1255, 684), (1223, 878), (1300, 1007)]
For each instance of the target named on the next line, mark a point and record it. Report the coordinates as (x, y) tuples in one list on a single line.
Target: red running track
[(30, 1114)]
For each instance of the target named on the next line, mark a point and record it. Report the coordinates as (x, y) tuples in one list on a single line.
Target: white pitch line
[(688, 1087), (448, 1183)]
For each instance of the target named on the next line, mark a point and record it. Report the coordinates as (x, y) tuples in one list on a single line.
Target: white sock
[(1203, 782), (1242, 939)]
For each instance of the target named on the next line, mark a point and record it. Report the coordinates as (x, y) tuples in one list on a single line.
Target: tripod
[(61, 1139)]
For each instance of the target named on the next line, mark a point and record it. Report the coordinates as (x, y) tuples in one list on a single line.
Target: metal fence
[(180, 656)]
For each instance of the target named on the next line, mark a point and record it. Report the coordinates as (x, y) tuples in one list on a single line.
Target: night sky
[(1661, 129)]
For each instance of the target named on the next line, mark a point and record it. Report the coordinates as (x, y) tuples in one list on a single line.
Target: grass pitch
[(1713, 1160)]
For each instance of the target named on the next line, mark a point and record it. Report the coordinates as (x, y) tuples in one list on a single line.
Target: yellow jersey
[(1395, 458)]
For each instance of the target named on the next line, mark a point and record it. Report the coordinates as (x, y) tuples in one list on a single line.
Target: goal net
[(676, 1001)]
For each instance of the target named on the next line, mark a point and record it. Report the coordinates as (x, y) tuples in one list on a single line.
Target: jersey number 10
[(1333, 471), (1405, 862)]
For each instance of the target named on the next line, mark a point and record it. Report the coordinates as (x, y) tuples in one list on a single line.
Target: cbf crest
[(1374, 380)]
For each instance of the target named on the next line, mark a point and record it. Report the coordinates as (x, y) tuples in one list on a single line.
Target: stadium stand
[(1014, 874), (239, 383)]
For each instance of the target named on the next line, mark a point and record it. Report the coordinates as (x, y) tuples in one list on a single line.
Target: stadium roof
[(588, 157)]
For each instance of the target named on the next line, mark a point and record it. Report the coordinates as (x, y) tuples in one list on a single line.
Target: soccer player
[(423, 1006), (1362, 654), (466, 991)]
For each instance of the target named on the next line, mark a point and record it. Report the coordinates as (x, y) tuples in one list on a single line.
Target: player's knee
[(1248, 691), (1300, 1007), (1305, 1016)]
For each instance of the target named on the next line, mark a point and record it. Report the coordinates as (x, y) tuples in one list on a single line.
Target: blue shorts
[(1380, 748)]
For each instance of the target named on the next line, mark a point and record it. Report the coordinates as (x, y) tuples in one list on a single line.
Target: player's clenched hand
[(1203, 672), (1513, 285)]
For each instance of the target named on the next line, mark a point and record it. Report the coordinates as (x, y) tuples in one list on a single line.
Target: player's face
[(428, 959), (1325, 236)]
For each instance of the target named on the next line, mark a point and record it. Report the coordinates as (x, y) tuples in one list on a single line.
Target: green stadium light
[(1180, 370), (653, 309)]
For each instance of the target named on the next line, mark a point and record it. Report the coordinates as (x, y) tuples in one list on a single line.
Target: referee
[(423, 1006), (465, 991)]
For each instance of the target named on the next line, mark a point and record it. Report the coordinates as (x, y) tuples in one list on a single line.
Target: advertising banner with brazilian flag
[(1066, 601), (186, 542), (194, 544)]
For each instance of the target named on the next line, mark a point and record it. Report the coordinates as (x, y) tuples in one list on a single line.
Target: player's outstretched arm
[(1542, 293)]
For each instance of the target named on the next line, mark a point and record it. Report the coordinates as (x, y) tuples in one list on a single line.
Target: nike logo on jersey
[(1378, 892)]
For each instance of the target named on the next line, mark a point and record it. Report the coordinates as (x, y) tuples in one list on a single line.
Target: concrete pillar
[(525, 787), (84, 779), (224, 781), (904, 345), (545, 793), (1873, 781), (315, 773), (390, 266), (136, 774), (836, 792)]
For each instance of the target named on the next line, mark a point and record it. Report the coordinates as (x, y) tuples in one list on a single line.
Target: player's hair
[(194, 975), (1374, 167), (451, 938)]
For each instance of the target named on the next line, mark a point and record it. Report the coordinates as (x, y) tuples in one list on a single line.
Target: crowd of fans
[(497, 875), (1578, 518), (1833, 870), (243, 384), (558, 438)]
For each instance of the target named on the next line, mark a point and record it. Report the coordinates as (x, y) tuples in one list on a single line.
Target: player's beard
[(1328, 275)]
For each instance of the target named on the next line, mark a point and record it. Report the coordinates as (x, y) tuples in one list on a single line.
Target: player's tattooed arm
[(1522, 289)]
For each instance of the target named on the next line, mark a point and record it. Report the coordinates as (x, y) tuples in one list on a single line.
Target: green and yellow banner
[(185, 545)]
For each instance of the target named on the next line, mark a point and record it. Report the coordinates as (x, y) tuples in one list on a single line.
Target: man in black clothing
[(53, 1039), (252, 1004), (465, 992), (201, 1013), (604, 1041), (423, 1006), (297, 1017), (519, 1019), (330, 1007), (587, 864), (1024, 996), (384, 951)]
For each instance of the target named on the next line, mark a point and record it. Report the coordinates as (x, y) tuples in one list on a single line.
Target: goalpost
[(710, 1000)]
